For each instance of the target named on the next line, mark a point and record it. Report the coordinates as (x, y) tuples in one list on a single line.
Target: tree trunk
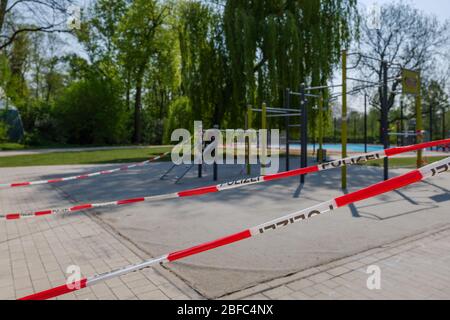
[(137, 111), (138, 103), (3, 5), (128, 89)]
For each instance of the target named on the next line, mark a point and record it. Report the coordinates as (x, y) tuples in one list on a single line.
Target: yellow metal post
[(411, 82), (344, 117), (419, 123)]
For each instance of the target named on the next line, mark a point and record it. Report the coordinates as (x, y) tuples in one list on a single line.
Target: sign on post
[(410, 82), (411, 85)]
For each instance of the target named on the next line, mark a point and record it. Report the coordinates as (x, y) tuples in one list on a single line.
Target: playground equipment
[(201, 167), (188, 167), (344, 126), (411, 85), (287, 112), (323, 102), (306, 92), (182, 175)]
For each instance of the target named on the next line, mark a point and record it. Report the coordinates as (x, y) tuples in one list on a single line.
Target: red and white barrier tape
[(234, 184), (369, 192), (83, 176)]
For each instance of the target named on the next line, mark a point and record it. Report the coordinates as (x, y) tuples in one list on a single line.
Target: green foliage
[(137, 32), (16, 85), (436, 100), (204, 64), (5, 72), (162, 82), (11, 146), (180, 116), (90, 112), (435, 95), (3, 132), (154, 66), (282, 43)]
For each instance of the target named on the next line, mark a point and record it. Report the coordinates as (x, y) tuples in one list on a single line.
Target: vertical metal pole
[(365, 123), (247, 143), (384, 117), (215, 175), (419, 124), (335, 130), (287, 94), (431, 122), (304, 132), (200, 165), (263, 145), (402, 125), (444, 133), (320, 152), (344, 118)]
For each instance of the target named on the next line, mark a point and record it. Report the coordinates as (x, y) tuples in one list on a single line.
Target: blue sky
[(440, 8)]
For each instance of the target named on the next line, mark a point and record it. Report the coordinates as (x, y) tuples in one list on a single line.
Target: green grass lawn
[(85, 157), (140, 154), (9, 146), (402, 162)]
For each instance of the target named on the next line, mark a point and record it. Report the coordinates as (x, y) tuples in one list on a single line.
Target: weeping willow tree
[(278, 44), (204, 64)]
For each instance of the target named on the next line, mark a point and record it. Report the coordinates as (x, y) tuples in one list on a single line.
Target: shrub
[(3, 132), (91, 112), (179, 117)]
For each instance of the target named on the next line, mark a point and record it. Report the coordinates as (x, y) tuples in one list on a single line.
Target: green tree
[(136, 42), (3, 132), (204, 63), (278, 44), (179, 116), (99, 32), (435, 102), (161, 84)]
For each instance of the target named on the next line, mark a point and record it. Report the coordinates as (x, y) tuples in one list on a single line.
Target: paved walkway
[(413, 268), (34, 253), (333, 153), (53, 150)]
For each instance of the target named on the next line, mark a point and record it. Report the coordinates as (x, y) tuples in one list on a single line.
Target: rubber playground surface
[(161, 227)]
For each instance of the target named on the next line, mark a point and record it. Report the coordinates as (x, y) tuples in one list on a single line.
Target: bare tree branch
[(44, 16), (408, 38)]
